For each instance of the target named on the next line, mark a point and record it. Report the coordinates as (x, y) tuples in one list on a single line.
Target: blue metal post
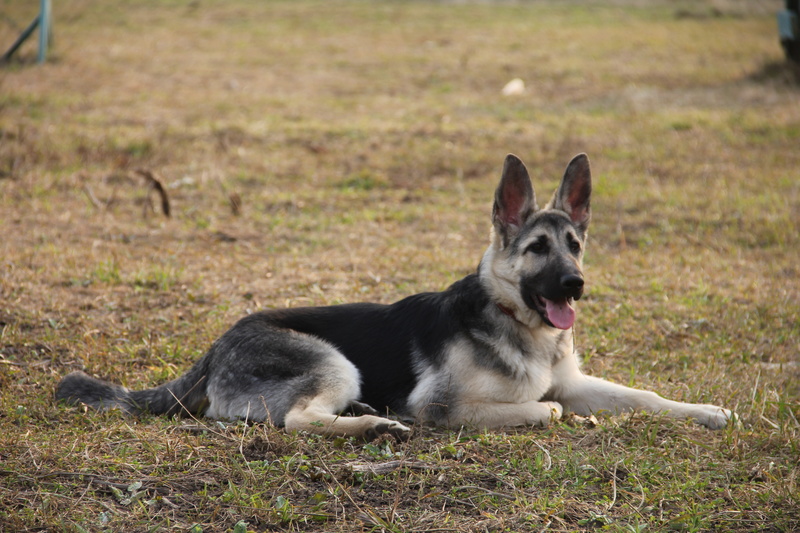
[(44, 29)]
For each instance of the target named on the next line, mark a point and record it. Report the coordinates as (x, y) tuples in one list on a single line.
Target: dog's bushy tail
[(185, 395)]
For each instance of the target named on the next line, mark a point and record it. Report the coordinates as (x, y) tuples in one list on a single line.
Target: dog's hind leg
[(337, 390), (316, 416), (290, 379)]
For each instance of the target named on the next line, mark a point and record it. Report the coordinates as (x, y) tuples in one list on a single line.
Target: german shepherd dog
[(493, 350)]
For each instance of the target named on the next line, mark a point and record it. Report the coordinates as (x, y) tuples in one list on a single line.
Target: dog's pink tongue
[(560, 313)]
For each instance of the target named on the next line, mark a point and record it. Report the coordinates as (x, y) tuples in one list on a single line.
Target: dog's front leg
[(585, 395), (594, 395), (493, 415)]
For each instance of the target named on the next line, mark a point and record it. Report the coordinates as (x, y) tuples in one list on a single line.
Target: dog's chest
[(512, 369)]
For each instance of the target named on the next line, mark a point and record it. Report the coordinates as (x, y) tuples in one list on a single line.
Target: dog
[(494, 350)]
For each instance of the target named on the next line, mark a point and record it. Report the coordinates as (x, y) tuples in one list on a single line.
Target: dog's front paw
[(556, 411), (717, 417), (543, 413)]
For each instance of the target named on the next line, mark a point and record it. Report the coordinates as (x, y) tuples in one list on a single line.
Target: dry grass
[(316, 153)]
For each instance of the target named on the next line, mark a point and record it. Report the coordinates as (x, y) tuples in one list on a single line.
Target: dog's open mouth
[(557, 313)]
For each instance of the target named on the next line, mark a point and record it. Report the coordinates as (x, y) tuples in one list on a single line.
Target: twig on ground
[(153, 183)]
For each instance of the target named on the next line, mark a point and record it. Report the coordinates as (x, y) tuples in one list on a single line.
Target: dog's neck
[(494, 288)]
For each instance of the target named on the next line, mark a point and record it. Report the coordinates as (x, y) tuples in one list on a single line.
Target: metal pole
[(44, 29), (21, 39)]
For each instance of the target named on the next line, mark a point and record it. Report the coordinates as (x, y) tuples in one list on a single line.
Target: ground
[(315, 153)]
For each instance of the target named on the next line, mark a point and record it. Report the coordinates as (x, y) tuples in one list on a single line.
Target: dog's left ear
[(514, 200), (574, 194)]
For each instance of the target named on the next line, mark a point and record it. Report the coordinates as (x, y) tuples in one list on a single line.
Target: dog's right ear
[(514, 200)]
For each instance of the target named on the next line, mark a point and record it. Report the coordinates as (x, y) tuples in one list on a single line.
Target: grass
[(317, 153)]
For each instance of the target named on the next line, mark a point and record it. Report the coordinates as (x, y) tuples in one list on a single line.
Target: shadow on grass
[(780, 73)]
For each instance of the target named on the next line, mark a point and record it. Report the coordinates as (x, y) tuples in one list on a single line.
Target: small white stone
[(514, 87)]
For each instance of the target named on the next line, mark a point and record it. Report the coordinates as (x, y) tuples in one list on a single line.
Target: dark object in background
[(789, 31)]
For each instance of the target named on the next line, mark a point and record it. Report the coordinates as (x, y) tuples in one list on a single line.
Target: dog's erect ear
[(514, 200), (574, 194)]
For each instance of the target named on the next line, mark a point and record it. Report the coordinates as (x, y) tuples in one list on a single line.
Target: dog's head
[(533, 266)]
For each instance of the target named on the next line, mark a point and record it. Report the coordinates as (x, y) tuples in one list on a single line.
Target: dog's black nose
[(572, 285), (572, 281)]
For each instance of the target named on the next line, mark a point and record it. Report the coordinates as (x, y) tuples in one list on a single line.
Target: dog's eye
[(537, 247), (574, 246)]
